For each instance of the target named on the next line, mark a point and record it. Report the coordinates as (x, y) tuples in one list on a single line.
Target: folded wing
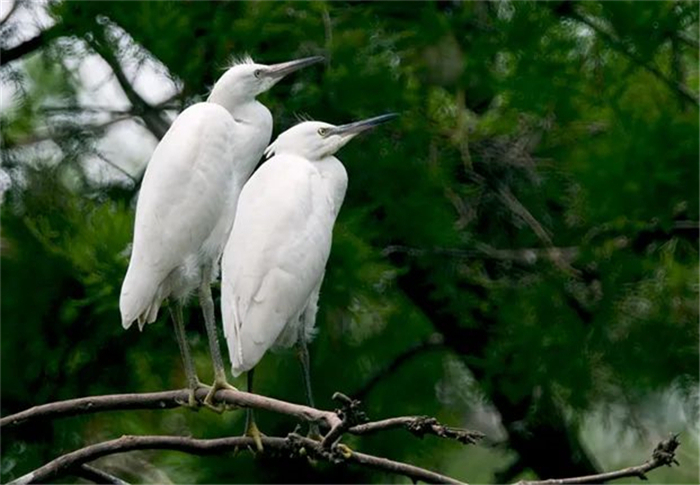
[(275, 256), (182, 196)]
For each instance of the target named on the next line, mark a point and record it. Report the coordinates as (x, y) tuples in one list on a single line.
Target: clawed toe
[(252, 431), (344, 450), (209, 399), (191, 402)]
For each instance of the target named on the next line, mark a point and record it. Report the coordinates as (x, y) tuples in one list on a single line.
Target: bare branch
[(96, 475), (352, 420), (350, 415), (419, 426), (62, 465), (663, 455), (151, 116), (163, 400)]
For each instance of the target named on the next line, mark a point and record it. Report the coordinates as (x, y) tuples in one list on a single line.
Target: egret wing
[(275, 256), (182, 196)]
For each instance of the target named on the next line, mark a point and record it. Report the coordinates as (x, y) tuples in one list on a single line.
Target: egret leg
[(251, 429), (303, 353), (192, 381), (207, 303)]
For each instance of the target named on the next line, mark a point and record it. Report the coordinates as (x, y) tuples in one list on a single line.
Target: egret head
[(245, 79), (317, 140)]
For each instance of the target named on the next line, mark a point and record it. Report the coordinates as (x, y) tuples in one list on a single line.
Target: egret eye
[(257, 73), (322, 131)]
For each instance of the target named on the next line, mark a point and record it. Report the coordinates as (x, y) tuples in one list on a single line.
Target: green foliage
[(521, 129)]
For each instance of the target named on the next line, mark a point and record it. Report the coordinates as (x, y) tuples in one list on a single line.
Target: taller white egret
[(188, 199), (274, 261)]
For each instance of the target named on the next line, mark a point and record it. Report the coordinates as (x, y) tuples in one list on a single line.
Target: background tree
[(517, 254)]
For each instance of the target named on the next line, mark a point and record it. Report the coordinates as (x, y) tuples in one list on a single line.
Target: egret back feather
[(275, 257)]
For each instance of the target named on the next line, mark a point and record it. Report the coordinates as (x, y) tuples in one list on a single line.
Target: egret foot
[(191, 402), (209, 399), (252, 431), (344, 450)]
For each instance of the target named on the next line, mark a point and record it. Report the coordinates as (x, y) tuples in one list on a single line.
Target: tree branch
[(164, 400), (63, 465), (151, 116), (663, 454), (419, 426), (96, 475)]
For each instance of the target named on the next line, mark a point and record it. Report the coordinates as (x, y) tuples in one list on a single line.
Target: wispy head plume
[(240, 59), (302, 117)]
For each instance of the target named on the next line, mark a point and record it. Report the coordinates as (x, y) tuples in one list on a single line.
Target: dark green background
[(524, 127)]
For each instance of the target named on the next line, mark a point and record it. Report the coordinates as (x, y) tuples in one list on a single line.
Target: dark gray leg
[(251, 429), (192, 380), (206, 301), (303, 353)]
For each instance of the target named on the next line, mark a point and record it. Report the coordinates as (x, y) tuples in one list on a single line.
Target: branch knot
[(350, 413), (423, 425), (665, 452)]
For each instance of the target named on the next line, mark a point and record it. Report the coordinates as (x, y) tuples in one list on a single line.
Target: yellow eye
[(322, 131)]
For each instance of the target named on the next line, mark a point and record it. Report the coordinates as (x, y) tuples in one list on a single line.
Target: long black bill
[(360, 126), (282, 69)]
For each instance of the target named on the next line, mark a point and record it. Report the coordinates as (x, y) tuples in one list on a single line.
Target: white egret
[(188, 199), (275, 258)]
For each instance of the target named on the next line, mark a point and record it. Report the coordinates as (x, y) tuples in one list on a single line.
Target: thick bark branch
[(62, 465), (75, 462), (419, 425), (164, 400)]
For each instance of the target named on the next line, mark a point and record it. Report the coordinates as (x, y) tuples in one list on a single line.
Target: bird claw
[(191, 402), (252, 431), (344, 450), (209, 399)]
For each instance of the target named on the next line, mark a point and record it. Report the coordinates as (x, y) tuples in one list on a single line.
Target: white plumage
[(275, 258), (187, 203), (278, 252), (188, 199)]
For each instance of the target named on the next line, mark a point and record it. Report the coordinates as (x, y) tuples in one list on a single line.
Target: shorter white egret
[(275, 258)]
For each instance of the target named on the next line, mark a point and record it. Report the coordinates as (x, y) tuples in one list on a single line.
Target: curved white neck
[(335, 178)]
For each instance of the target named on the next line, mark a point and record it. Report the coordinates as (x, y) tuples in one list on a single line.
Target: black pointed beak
[(360, 126), (280, 70)]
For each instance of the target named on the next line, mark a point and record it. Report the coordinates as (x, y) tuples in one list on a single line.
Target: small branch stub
[(350, 415), (426, 425)]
